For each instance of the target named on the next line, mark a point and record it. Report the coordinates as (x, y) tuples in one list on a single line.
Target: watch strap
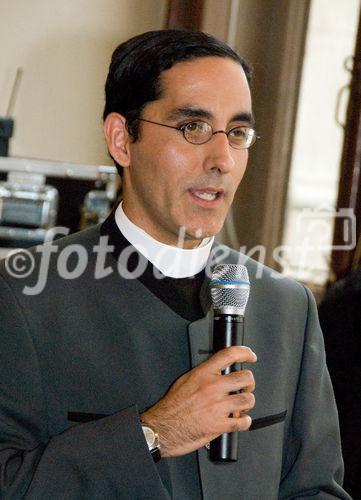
[(155, 452)]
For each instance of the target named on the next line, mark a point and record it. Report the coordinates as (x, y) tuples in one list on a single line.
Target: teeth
[(206, 196)]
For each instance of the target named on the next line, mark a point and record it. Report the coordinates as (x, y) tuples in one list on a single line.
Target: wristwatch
[(152, 439)]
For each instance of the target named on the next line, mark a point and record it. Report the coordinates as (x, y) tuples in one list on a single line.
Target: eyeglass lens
[(201, 132)]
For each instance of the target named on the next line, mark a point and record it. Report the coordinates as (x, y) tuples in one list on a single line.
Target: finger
[(230, 424), (239, 381), (236, 414), (239, 424), (240, 403), (227, 357)]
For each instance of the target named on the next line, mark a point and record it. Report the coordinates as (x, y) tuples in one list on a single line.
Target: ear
[(117, 138)]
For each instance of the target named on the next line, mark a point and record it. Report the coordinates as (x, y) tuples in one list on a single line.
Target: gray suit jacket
[(97, 348)]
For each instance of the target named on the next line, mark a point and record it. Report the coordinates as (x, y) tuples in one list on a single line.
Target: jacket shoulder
[(260, 275)]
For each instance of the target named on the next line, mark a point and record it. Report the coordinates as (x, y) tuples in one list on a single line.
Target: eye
[(239, 132), (196, 127), (242, 137)]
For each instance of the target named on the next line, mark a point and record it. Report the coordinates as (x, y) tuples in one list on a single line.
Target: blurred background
[(54, 62), (299, 205)]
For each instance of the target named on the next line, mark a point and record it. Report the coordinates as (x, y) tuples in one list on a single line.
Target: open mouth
[(206, 195)]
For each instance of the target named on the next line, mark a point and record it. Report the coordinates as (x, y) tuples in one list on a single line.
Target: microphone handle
[(228, 330)]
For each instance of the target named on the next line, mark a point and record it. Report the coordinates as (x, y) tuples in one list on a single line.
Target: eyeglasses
[(199, 132)]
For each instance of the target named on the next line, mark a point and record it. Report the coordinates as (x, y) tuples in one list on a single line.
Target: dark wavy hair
[(136, 66)]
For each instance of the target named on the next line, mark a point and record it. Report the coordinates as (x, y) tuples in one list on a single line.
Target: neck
[(182, 241)]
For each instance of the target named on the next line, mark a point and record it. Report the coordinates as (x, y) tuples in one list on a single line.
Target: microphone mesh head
[(230, 288)]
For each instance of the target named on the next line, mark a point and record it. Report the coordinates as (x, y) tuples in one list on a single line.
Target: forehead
[(216, 84)]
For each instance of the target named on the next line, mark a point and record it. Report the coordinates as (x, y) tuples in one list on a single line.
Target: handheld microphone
[(230, 291)]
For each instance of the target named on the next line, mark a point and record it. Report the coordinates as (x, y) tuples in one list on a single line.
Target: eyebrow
[(194, 112)]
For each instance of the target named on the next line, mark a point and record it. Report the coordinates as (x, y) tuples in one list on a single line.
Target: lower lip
[(207, 203)]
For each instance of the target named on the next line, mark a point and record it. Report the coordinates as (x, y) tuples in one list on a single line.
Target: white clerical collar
[(171, 261)]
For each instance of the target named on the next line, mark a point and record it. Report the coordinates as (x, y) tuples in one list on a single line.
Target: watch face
[(149, 436)]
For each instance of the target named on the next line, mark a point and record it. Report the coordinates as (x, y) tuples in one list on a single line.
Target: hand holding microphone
[(212, 399), (198, 406)]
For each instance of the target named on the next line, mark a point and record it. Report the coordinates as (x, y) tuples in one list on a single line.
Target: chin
[(204, 231)]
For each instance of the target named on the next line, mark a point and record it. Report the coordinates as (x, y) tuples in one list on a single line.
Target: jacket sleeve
[(106, 458), (313, 466)]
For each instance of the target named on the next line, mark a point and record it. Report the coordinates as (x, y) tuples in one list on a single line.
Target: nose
[(219, 155)]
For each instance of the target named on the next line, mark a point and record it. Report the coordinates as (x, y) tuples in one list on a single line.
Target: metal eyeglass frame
[(182, 129)]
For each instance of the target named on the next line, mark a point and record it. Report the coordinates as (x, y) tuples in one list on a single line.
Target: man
[(105, 373)]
